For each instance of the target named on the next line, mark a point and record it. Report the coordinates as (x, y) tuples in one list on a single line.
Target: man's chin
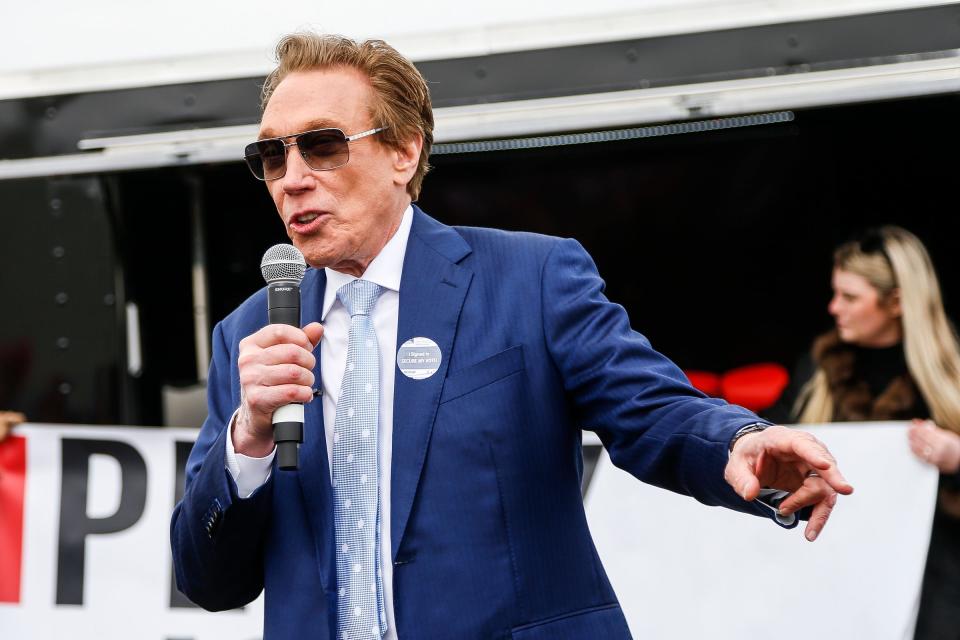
[(315, 256), (317, 262)]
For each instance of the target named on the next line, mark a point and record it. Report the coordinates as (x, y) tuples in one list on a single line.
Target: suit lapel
[(314, 472), (432, 292)]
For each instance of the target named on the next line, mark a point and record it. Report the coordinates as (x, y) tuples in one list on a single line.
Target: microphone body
[(283, 307), (283, 267)]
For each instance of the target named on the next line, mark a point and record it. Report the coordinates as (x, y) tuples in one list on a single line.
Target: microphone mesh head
[(283, 262)]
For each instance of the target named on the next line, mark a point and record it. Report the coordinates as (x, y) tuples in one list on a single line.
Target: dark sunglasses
[(321, 149)]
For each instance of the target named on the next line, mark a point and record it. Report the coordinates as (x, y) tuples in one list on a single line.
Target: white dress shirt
[(385, 270)]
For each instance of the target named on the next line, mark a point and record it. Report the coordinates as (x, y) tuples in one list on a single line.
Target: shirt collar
[(385, 269)]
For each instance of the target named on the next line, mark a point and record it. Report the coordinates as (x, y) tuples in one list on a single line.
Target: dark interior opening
[(718, 244)]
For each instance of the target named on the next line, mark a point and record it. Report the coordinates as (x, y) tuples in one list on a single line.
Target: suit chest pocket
[(482, 374)]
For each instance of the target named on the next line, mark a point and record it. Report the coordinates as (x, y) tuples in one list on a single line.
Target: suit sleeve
[(653, 423), (217, 538)]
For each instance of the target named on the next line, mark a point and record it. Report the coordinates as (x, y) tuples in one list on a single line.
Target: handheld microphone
[(283, 267)]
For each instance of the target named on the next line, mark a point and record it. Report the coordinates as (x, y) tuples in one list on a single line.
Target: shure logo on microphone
[(283, 288)]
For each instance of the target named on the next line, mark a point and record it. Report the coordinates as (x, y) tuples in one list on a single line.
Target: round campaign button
[(418, 358)]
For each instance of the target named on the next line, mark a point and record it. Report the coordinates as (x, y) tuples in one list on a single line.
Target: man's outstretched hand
[(794, 461)]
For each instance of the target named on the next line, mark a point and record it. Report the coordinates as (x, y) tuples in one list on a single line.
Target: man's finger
[(266, 400), (819, 517), (314, 331), (283, 374), (739, 475), (814, 453), (281, 334), (287, 354), (814, 490)]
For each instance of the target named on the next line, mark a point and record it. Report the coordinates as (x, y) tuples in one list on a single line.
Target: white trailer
[(697, 134)]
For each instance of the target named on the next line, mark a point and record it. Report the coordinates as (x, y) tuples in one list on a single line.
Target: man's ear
[(406, 159)]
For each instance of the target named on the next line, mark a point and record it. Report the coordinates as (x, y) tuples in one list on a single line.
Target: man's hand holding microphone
[(276, 369), (276, 366)]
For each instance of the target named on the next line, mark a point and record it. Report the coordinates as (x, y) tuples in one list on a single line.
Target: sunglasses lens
[(265, 159), (272, 156), (256, 167), (324, 150)]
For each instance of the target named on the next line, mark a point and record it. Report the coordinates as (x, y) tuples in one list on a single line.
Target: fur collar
[(852, 399)]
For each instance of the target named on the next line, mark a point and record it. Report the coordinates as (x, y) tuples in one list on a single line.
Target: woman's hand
[(7, 421), (936, 446)]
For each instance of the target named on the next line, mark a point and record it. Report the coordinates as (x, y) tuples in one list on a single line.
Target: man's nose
[(298, 176), (832, 308)]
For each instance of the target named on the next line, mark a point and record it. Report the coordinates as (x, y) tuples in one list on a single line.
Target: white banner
[(90, 558), (682, 570), (80, 584)]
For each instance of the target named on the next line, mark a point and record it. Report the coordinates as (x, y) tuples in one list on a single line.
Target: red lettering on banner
[(13, 475)]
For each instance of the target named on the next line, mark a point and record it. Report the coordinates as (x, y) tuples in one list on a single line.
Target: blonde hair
[(402, 103), (900, 263)]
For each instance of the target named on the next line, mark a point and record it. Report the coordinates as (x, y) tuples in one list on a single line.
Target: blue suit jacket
[(489, 537)]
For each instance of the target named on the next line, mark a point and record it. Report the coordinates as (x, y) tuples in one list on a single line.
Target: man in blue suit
[(438, 492)]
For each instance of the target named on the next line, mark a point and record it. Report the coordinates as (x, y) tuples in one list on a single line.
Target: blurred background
[(709, 154)]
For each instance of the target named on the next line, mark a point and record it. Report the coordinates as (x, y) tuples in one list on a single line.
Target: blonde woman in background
[(893, 355)]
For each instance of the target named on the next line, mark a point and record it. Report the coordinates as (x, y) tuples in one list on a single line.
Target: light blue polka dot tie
[(355, 473)]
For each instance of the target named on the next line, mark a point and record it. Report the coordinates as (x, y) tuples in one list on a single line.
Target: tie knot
[(359, 296)]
